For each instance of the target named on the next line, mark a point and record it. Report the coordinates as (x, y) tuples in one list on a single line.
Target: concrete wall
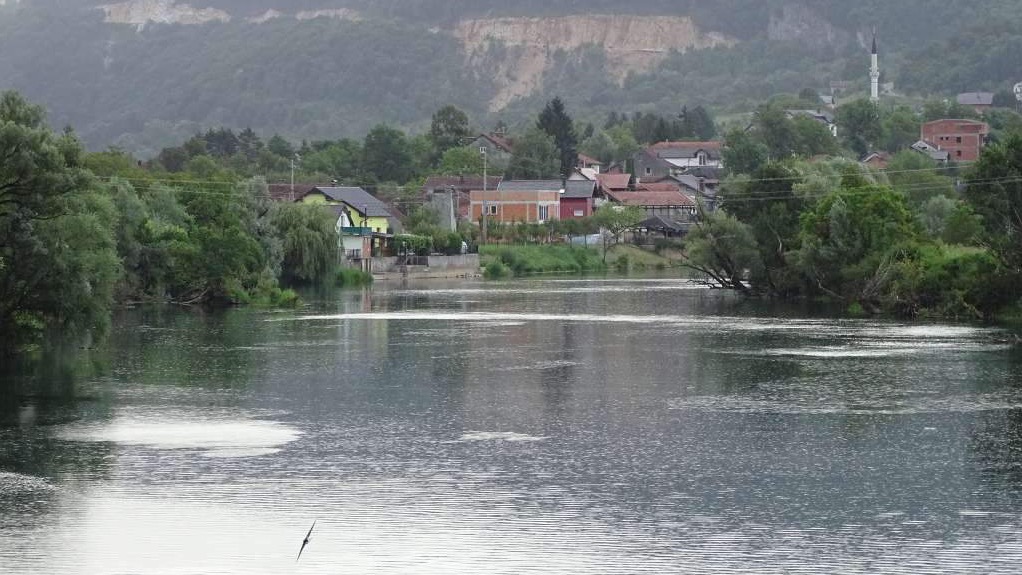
[(465, 263), (383, 265), (468, 262)]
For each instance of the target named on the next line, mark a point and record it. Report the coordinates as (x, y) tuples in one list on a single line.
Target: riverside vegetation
[(902, 242), (79, 232)]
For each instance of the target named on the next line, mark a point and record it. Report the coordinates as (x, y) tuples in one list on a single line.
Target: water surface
[(547, 426)]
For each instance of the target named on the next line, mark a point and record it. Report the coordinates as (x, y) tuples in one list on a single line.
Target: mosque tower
[(874, 73)]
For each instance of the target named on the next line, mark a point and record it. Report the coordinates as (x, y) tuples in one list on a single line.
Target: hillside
[(145, 73)]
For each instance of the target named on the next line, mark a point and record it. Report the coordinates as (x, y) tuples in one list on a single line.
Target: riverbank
[(520, 260)]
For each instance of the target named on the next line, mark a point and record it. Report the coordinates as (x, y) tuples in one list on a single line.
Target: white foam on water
[(240, 453), (837, 352), (721, 322), (239, 437), (908, 334), (540, 365), (18, 484), (497, 436)]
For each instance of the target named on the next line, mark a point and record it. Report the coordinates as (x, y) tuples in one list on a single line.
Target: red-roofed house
[(614, 182), (588, 163), (670, 205)]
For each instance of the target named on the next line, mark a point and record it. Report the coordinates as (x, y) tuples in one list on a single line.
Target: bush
[(495, 270), (950, 281), (855, 309), (351, 277), (411, 244)]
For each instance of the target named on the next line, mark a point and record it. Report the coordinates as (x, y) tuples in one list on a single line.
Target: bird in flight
[(306, 540)]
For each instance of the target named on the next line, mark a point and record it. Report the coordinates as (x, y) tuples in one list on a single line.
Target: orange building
[(518, 201)]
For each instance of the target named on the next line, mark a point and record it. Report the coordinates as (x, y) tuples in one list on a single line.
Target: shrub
[(351, 277), (495, 270)]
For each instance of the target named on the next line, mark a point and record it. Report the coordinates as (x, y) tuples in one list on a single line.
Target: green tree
[(458, 161), (851, 241), (535, 157), (914, 175), (859, 125), (995, 193), (812, 138), (625, 145), (614, 221), (58, 262), (341, 160), (743, 153), (722, 248), (776, 131), (600, 146), (767, 203), (449, 129), (900, 129), (279, 146), (698, 123), (388, 157), (555, 121)]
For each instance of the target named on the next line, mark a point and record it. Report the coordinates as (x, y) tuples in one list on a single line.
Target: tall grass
[(533, 259)]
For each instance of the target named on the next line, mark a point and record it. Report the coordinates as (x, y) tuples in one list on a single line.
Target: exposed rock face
[(631, 43), (797, 22), (339, 14), (142, 12), (265, 17)]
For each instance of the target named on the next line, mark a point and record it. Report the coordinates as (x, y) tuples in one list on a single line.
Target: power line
[(854, 191)]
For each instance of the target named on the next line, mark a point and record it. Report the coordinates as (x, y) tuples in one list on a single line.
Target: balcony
[(357, 231)]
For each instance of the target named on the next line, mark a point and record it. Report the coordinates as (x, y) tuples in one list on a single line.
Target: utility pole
[(293, 158), (486, 205)]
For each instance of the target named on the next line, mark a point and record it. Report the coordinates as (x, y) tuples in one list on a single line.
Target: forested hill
[(143, 74)]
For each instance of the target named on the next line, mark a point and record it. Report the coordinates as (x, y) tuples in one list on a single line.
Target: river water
[(548, 426)]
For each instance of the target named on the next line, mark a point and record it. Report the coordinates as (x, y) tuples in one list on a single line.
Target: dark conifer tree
[(556, 122)]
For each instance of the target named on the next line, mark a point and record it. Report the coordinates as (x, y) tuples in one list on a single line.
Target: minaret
[(874, 72)]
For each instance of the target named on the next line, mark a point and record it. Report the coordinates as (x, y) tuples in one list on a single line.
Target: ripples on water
[(556, 426)]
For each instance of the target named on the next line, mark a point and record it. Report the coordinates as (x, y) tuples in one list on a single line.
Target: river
[(544, 426)]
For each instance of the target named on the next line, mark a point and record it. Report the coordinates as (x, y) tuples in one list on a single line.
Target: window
[(492, 210), (958, 153), (544, 213), (649, 171), (702, 159), (579, 213), (959, 139)]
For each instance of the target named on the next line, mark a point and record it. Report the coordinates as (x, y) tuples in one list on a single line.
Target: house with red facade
[(962, 139), (578, 199)]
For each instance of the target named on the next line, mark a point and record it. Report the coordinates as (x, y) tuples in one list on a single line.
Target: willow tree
[(309, 241)]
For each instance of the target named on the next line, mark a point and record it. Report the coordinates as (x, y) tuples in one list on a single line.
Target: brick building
[(962, 139), (533, 201)]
